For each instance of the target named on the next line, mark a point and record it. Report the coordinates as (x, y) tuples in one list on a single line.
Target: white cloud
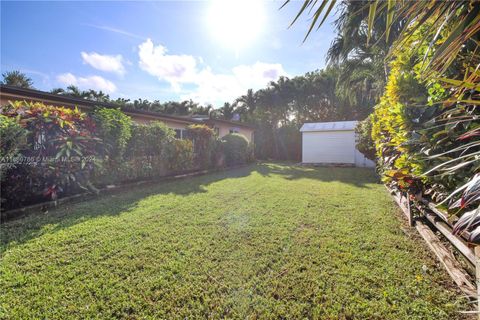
[(176, 69), (210, 87), (258, 74), (91, 82), (215, 88), (104, 62)]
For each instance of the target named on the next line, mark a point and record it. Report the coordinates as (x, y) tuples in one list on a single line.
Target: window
[(181, 133), (178, 133)]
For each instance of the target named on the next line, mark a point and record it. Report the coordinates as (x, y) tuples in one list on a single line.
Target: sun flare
[(235, 23)]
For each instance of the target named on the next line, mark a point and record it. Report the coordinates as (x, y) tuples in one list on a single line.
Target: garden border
[(435, 220), (25, 211)]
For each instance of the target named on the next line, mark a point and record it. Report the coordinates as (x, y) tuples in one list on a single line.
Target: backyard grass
[(264, 241)]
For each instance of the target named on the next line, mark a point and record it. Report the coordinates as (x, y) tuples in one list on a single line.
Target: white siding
[(328, 147)]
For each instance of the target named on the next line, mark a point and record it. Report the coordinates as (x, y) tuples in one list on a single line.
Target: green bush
[(365, 143), (114, 128), (235, 147), (149, 139), (203, 139), (58, 159), (426, 140), (13, 139), (78, 152), (180, 155)]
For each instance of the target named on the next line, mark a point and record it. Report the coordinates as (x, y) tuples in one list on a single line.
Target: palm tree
[(457, 21), (17, 79), (74, 91), (59, 91), (247, 103), (227, 111)]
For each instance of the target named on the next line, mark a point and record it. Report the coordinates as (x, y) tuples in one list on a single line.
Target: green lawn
[(266, 241)]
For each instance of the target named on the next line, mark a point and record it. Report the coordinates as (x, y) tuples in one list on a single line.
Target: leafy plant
[(13, 139), (180, 155), (114, 128), (149, 139), (58, 159), (203, 139), (235, 147), (17, 79), (365, 144)]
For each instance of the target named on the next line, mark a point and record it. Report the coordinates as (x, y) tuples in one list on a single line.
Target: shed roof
[(329, 126)]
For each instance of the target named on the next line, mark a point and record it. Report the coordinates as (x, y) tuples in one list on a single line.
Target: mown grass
[(265, 241)]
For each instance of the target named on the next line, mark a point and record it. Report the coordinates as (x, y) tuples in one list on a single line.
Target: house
[(178, 123), (332, 143)]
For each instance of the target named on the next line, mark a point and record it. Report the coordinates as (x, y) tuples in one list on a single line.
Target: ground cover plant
[(264, 241)]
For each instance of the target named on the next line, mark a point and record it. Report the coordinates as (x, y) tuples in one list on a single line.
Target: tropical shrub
[(62, 151), (147, 150), (402, 112), (426, 137), (365, 143), (149, 139), (218, 154), (13, 139), (59, 157), (235, 147), (203, 139), (114, 128), (290, 142), (180, 155)]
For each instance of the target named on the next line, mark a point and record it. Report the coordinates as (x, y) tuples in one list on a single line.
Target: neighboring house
[(179, 124), (332, 143)]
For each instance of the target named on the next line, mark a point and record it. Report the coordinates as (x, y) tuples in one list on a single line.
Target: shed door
[(328, 147)]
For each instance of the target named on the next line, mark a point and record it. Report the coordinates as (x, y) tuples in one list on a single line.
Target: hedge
[(423, 136), (49, 152), (235, 147)]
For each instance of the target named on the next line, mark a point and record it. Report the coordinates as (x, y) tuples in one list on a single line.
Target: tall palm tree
[(17, 79), (247, 103), (74, 91), (227, 111)]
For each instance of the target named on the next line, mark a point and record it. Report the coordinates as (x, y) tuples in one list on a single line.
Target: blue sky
[(201, 50)]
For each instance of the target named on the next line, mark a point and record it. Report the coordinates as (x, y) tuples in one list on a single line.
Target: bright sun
[(236, 23)]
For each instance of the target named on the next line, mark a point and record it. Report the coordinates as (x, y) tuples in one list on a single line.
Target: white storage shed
[(332, 143)]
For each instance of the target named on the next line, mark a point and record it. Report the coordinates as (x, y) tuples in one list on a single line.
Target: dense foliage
[(365, 143), (50, 151), (13, 139), (235, 147), (114, 128), (203, 139), (57, 156), (17, 79), (426, 140)]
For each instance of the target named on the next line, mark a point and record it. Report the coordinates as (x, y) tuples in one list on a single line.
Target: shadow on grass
[(21, 230), (358, 177)]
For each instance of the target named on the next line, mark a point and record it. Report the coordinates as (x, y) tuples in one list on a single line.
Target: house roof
[(63, 99), (233, 123), (329, 126)]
